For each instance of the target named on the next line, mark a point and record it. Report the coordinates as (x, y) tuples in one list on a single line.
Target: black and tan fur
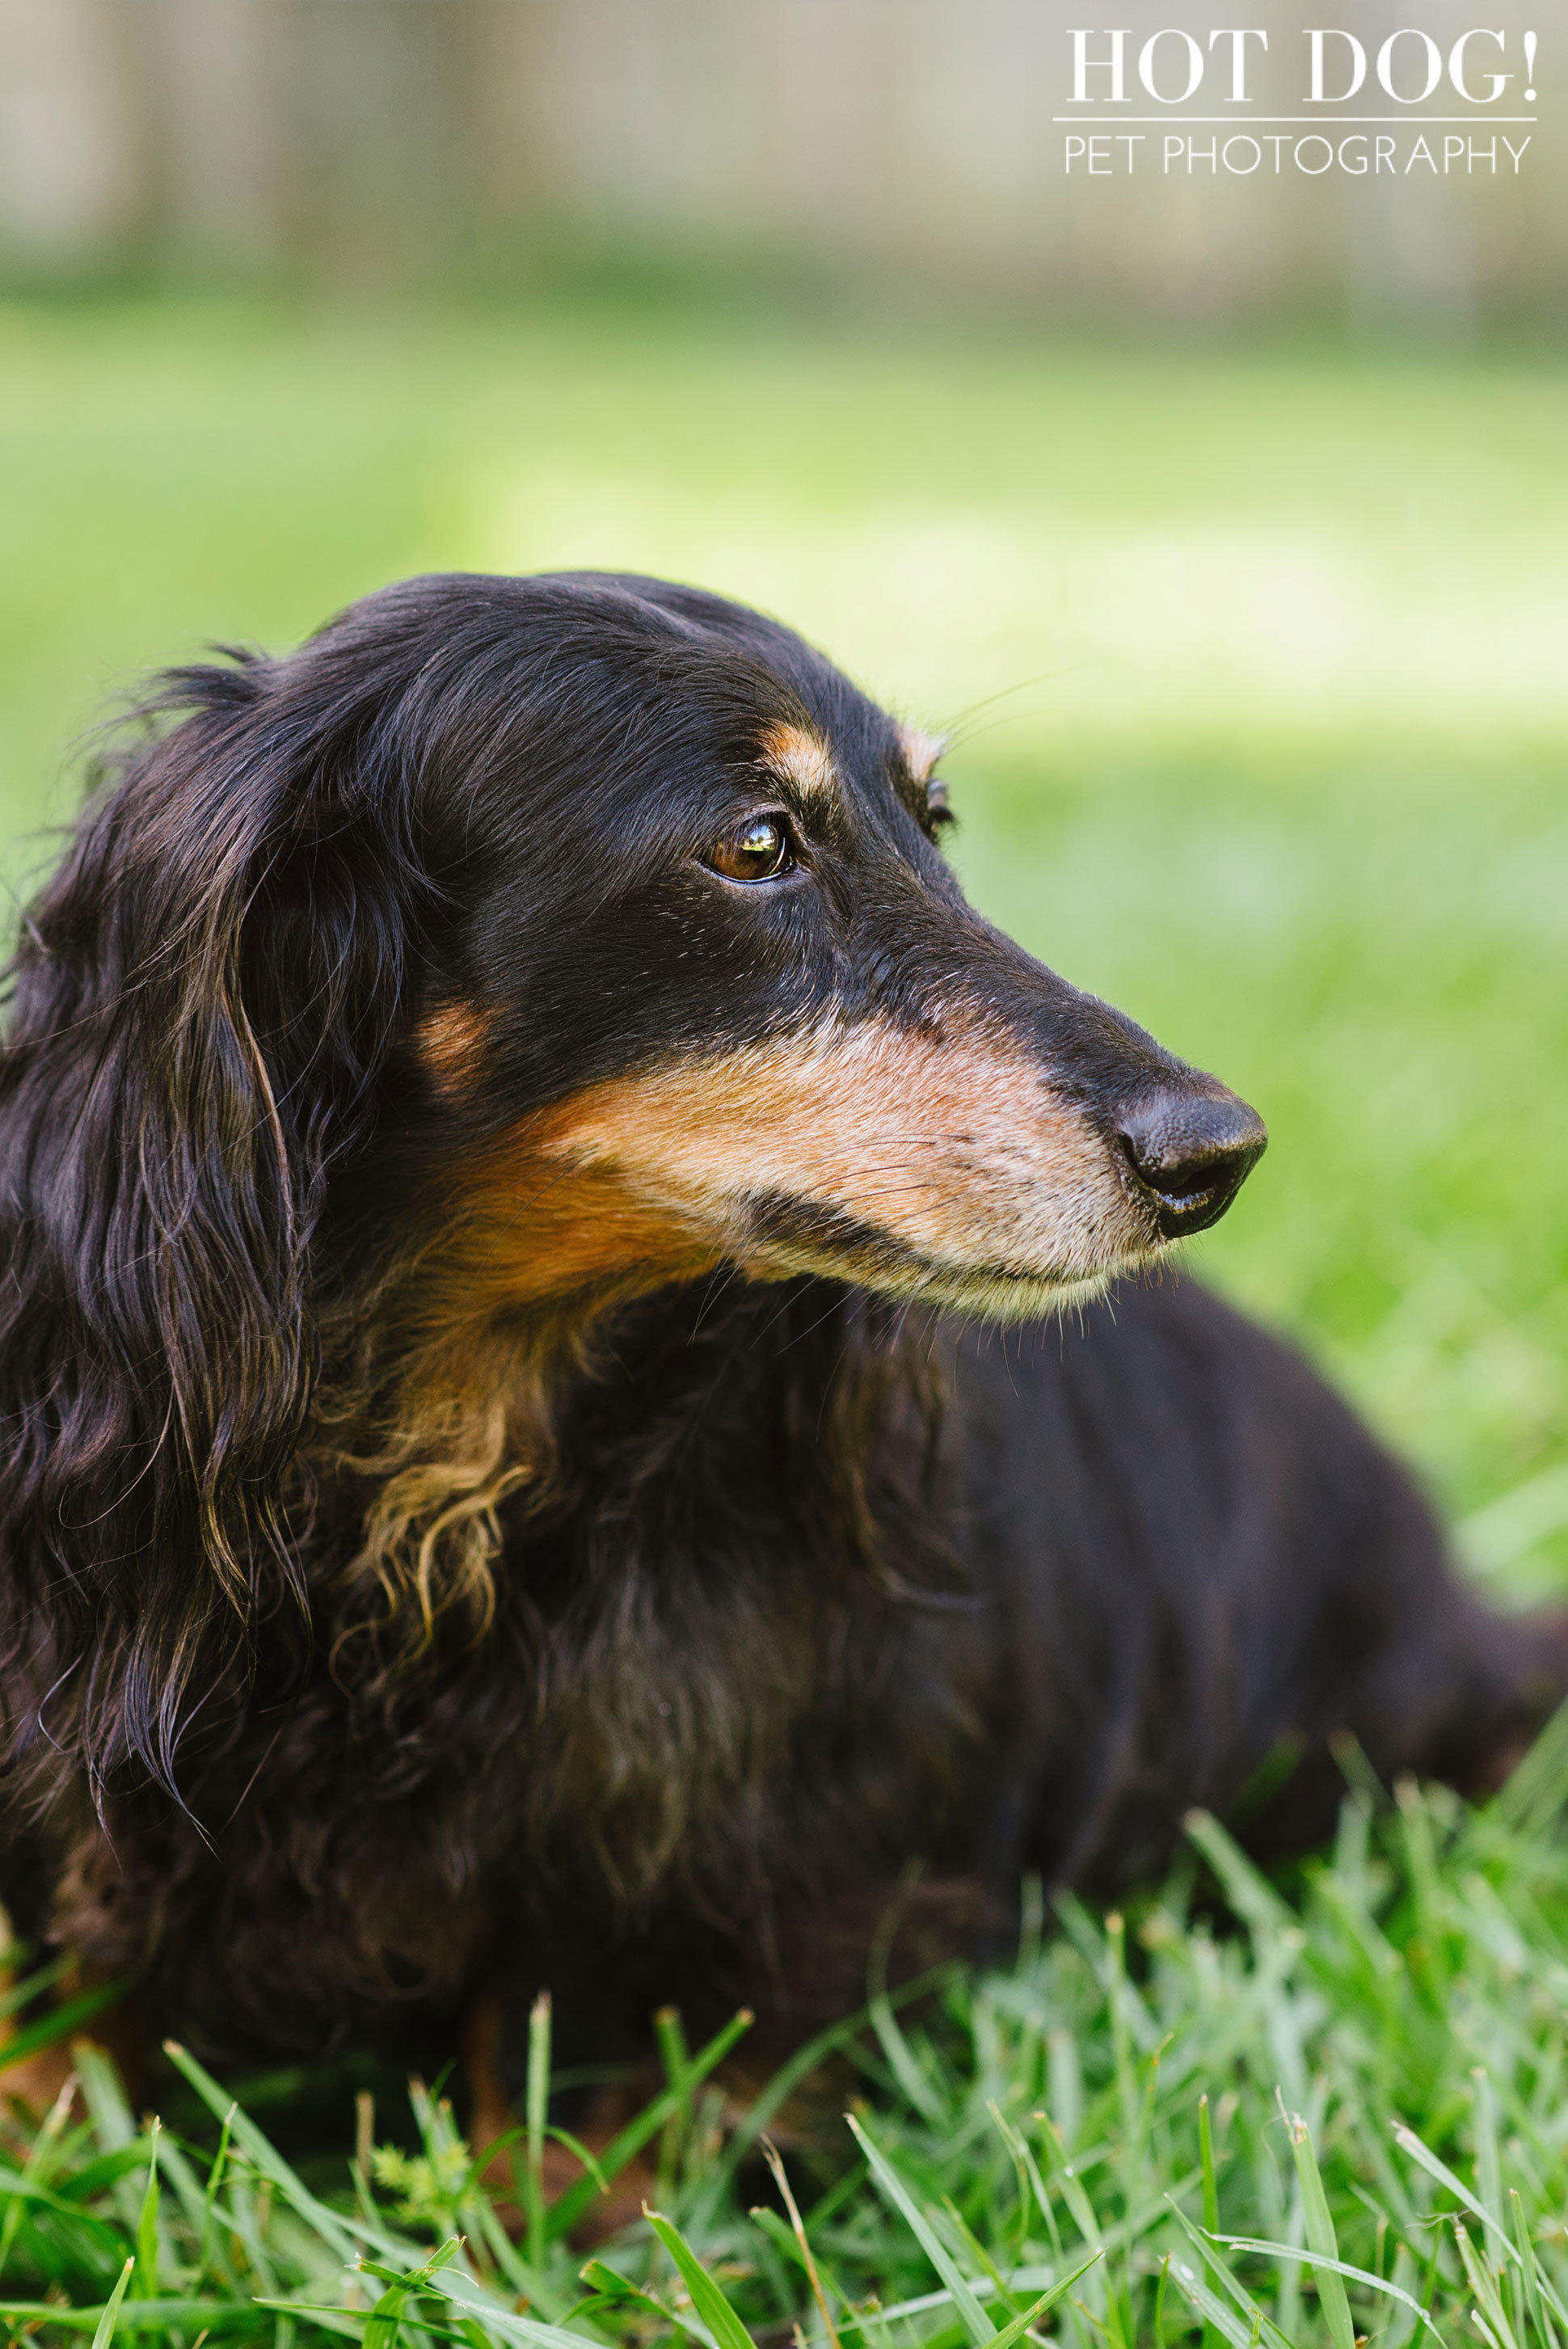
[(539, 1445)]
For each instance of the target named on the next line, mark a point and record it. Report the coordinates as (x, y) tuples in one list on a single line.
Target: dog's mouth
[(788, 1235), (1175, 1167)]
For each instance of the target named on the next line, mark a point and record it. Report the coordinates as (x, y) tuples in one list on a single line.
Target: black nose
[(1191, 1152)]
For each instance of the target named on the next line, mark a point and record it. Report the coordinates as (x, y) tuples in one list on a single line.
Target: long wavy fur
[(200, 1002), (249, 1507)]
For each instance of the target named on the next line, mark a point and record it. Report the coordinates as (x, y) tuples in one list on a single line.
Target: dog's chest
[(696, 1708)]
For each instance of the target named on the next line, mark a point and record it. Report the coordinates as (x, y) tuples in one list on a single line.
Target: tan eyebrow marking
[(920, 750), (801, 758), (449, 1041)]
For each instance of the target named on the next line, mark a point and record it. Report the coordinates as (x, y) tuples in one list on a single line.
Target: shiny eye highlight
[(760, 849)]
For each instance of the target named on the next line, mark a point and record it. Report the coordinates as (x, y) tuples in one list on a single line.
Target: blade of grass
[(1250, 1893), (1423, 2156), (1073, 2191), (147, 2226), (147, 2317), (770, 2155), (973, 2317), (381, 2324), (1120, 2037), (214, 2178), (1226, 2281), (50, 2130), (345, 2321), (912, 2082), (18, 1995), (1027, 2169), (806, 2060), (860, 2319), (1484, 2283), (103, 2332), (705, 2296), (1526, 2250), (1210, 2192), (1225, 2321), (1266, 2249), (538, 2110), (176, 2169), (1487, 2167), (464, 2292), (580, 2152), (263, 2155), (22, 2189), (1029, 2317), (623, 2293), (568, 2207), (1534, 1795), (1066, 2090), (1320, 2235), (59, 2024), (669, 2036)]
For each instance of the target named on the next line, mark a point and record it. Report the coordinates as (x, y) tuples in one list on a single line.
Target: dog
[(586, 1380)]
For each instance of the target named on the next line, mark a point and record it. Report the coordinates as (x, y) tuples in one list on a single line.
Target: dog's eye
[(937, 810), (758, 850)]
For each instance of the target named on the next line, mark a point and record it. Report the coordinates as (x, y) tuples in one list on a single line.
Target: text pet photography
[(1174, 69)]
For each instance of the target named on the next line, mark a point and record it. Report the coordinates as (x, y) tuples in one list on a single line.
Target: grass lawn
[(1256, 666)]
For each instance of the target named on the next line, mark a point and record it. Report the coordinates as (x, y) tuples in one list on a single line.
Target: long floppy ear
[(201, 1002)]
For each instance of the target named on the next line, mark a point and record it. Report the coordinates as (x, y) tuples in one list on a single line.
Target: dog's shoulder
[(1156, 1362), (1161, 1436)]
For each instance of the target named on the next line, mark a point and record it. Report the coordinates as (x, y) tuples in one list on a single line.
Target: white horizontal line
[(1240, 122)]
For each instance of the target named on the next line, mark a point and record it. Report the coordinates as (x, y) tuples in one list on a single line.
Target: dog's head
[(711, 992), (565, 937)]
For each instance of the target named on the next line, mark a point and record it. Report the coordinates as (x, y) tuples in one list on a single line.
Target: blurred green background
[(1254, 657)]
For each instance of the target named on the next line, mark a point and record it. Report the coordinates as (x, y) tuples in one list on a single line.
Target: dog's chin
[(789, 1236)]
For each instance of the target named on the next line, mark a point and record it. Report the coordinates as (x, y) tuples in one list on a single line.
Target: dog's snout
[(1191, 1152)]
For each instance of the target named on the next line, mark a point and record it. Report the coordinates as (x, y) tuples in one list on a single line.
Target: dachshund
[(563, 1416)]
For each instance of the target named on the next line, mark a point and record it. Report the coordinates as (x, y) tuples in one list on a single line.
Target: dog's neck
[(441, 1436), (428, 1424)]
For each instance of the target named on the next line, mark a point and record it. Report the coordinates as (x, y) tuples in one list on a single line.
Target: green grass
[(1343, 2114), (1254, 660)]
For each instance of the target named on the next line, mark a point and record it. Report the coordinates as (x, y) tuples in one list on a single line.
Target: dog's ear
[(201, 1000)]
